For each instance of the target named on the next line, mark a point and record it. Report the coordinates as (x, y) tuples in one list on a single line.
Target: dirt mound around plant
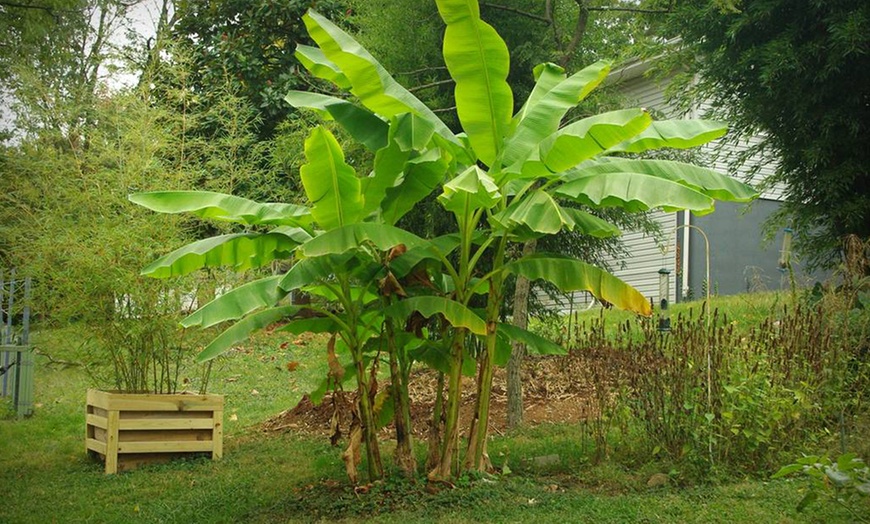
[(555, 390)]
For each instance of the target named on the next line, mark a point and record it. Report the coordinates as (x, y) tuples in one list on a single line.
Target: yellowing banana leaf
[(239, 251), (330, 183), (237, 303), (219, 206), (478, 61), (573, 275)]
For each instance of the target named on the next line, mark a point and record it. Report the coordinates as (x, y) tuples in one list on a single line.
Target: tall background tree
[(798, 71)]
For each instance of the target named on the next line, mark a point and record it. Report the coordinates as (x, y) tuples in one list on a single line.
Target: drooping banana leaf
[(311, 325), (310, 271), (370, 82), (330, 183), (543, 114), (470, 190), (237, 303), (537, 212), (707, 181), (635, 192), (455, 313), (363, 126), (243, 328), (219, 206), (591, 225), (677, 134), (570, 275), (478, 61), (313, 59), (239, 251), (421, 176), (535, 344)]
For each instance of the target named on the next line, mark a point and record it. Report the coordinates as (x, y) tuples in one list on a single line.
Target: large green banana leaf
[(478, 61), (330, 183), (570, 275), (243, 328), (239, 251), (547, 76), (370, 82), (591, 225), (237, 303), (543, 114), (363, 126), (635, 192), (421, 176), (352, 236), (408, 134), (455, 313), (219, 206), (311, 325), (535, 344), (591, 136), (313, 59), (678, 134), (310, 271), (707, 181)]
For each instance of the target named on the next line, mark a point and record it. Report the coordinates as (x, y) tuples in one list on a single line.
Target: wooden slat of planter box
[(166, 423), (168, 446), (126, 433), (151, 402)]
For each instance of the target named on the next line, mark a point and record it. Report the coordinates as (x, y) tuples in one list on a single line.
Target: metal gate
[(16, 355)]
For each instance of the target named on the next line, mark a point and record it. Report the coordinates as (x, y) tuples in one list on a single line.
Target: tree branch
[(422, 70), (514, 10), (629, 10), (431, 84)]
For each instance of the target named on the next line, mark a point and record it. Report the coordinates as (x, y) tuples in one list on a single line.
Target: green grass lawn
[(282, 477)]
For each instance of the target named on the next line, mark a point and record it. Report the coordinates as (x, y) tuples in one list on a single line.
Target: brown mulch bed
[(556, 389)]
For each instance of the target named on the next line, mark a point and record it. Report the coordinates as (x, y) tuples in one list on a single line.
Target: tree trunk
[(450, 443), (404, 457), (518, 350), (369, 429)]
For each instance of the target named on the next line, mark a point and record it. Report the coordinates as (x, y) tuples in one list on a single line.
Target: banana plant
[(508, 172)]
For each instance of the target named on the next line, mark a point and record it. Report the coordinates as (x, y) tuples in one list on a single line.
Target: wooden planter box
[(130, 429)]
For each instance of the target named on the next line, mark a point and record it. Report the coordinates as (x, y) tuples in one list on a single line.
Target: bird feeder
[(664, 293)]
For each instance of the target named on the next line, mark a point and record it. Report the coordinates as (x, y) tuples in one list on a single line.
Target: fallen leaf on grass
[(254, 392), (234, 417), (292, 366)]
